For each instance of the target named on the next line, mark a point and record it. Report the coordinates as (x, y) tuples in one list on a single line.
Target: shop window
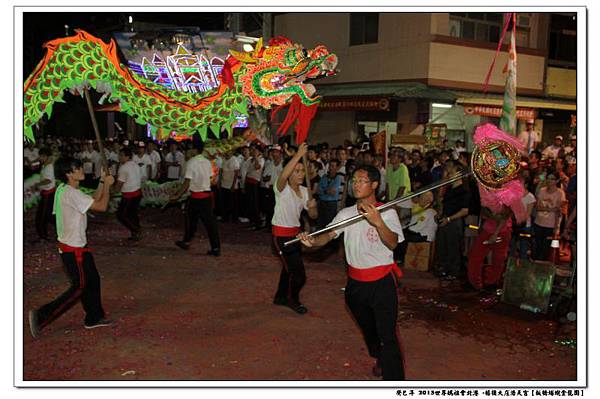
[(364, 28), (487, 27), (562, 49)]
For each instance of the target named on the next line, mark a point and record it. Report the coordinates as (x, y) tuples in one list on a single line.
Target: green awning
[(393, 90)]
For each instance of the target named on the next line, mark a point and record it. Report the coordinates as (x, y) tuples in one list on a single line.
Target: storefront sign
[(496, 112), (355, 104)]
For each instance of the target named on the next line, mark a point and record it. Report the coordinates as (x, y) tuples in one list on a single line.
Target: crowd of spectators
[(448, 217)]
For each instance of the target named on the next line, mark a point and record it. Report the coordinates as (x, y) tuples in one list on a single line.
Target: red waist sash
[(49, 191), (78, 251), (201, 194), (280, 231), (250, 180), (373, 273), (132, 194)]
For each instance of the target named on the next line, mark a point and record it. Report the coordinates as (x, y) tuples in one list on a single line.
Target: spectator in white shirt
[(47, 188), (422, 226), (143, 161), (551, 152), (129, 183), (175, 162), (155, 161)]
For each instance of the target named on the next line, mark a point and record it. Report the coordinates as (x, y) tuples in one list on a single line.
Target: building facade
[(423, 73)]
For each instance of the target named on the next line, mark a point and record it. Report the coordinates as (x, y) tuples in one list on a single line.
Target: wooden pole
[(96, 130)]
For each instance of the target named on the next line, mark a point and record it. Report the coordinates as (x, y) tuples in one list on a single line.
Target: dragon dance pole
[(95, 124), (386, 205)]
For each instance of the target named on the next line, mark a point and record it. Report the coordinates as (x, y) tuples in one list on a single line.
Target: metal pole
[(385, 206)]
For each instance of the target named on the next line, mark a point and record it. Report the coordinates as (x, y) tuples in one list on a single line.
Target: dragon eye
[(304, 53)]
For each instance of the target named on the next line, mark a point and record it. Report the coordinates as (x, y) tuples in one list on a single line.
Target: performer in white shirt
[(271, 171), (230, 175), (129, 183), (371, 289), (197, 179), (70, 207), (290, 199), (47, 188), (142, 159), (251, 185)]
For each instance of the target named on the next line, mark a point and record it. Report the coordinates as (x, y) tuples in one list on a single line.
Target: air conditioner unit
[(524, 21)]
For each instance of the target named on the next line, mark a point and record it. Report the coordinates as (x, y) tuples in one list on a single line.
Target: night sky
[(38, 28)]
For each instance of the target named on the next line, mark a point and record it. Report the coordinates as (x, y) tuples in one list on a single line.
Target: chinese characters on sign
[(496, 112)]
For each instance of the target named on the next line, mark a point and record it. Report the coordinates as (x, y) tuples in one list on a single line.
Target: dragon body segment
[(267, 77)]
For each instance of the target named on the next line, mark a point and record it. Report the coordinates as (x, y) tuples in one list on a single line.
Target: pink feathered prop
[(511, 193)]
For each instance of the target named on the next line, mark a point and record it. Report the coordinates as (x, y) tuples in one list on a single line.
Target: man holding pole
[(290, 199), (371, 288)]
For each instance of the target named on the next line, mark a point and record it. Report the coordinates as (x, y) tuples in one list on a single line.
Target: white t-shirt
[(74, 205), (47, 173), (551, 152), (364, 248), (229, 167), (529, 198), (244, 166), (97, 164), (424, 223), (130, 175), (142, 163), (88, 160), (199, 170), (288, 206), (254, 173), (273, 171), (113, 157), (173, 172), (155, 160)]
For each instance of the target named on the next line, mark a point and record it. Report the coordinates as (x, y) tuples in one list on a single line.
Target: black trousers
[(449, 241), (84, 285), (44, 214), (267, 203), (128, 213), (201, 208), (541, 243), (327, 211), (252, 203), (229, 204), (409, 236), (293, 275), (374, 306)]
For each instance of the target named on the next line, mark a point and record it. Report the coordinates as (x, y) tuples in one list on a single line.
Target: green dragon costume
[(271, 77)]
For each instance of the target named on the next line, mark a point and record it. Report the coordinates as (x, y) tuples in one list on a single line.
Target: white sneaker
[(243, 220)]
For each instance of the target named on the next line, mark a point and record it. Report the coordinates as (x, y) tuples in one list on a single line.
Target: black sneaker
[(214, 252), (182, 245), (298, 308), (100, 323), (280, 301), (34, 325)]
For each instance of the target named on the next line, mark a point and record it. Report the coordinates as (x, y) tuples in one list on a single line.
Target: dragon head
[(275, 73)]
